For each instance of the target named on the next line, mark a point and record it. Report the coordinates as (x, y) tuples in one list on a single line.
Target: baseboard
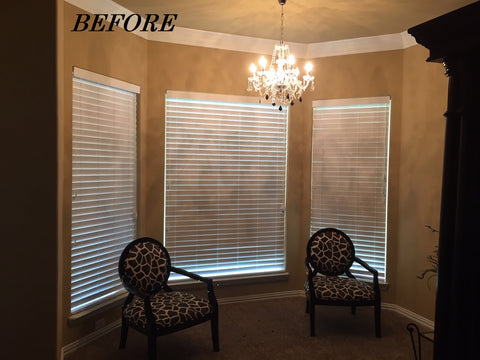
[(72, 347), (420, 320), (264, 296)]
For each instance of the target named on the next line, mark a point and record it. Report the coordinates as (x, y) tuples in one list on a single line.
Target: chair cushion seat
[(340, 289), (169, 309)]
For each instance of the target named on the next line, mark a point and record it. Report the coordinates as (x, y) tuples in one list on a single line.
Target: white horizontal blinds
[(349, 174), (104, 186), (225, 185)]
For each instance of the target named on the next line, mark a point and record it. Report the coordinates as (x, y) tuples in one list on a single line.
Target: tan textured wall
[(418, 91), (420, 178)]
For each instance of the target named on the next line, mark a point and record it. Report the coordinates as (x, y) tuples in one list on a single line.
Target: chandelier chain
[(281, 28)]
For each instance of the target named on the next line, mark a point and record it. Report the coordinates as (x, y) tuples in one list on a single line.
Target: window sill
[(232, 280), (88, 313)]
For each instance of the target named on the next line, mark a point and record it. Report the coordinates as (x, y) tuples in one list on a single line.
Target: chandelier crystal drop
[(279, 83)]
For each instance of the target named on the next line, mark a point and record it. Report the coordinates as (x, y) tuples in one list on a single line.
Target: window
[(104, 184), (225, 171), (350, 140)]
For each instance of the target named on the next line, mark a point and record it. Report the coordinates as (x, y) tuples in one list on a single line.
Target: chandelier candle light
[(280, 82)]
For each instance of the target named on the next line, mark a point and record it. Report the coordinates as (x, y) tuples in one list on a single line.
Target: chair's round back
[(144, 266), (330, 252)]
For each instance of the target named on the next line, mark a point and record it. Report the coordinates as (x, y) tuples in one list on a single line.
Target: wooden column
[(454, 39)]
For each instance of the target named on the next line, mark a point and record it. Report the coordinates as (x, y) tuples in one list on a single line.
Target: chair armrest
[(376, 286), (368, 267), (193, 276), (211, 293)]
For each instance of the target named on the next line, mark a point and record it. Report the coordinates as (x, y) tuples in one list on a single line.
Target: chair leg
[(123, 334), (152, 347), (312, 318), (378, 322), (214, 329)]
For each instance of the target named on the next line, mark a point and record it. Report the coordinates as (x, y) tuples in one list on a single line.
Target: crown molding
[(360, 45), (215, 40)]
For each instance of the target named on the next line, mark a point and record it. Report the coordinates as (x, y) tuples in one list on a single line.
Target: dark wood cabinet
[(454, 39)]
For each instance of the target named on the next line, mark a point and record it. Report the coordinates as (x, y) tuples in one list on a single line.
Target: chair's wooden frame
[(312, 300), (153, 331)]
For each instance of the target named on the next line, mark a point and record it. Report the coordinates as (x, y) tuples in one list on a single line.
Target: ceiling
[(306, 21)]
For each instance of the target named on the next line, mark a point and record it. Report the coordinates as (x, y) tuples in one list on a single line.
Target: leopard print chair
[(151, 306), (330, 254)]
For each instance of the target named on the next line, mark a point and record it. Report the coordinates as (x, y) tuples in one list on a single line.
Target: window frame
[(383, 102), (235, 100), (114, 86)]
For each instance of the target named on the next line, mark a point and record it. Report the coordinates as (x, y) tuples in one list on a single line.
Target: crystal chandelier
[(280, 82)]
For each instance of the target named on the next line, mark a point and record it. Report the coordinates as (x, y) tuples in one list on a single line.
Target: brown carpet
[(272, 329)]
